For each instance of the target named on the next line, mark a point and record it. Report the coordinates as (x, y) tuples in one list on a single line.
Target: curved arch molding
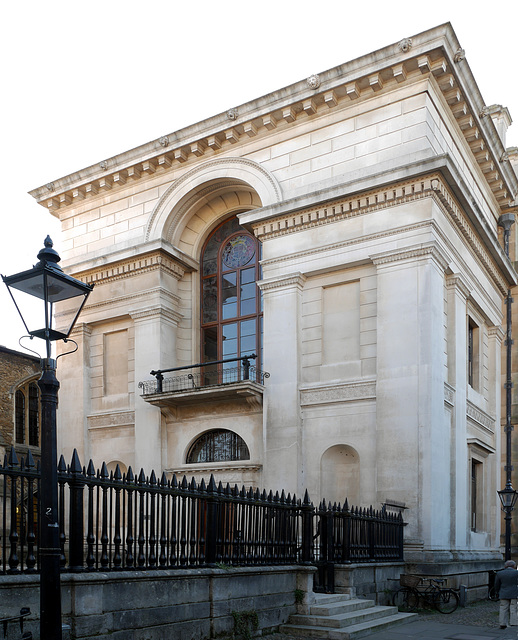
[(233, 171)]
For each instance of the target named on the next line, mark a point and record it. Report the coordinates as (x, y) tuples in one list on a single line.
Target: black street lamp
[(47, 282), (508, 499)]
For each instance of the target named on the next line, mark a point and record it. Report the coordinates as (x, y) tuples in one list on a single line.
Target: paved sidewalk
[(478, 621), (430, 629)]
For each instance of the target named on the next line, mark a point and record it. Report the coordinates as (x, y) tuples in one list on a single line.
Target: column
[(457, 340), (413, 436), (283, 456), (496, 474), (155, 348)]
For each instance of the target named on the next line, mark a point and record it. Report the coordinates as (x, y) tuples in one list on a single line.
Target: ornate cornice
[(344, 208), (131, 267), (348, 392), (333, 89), (461, 222), (430, 186), (171, 298)]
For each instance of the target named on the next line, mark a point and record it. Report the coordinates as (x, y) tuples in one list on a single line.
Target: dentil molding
[(333, 89)]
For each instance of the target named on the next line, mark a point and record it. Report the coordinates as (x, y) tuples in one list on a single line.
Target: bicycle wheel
[(406, 599), (446, 601)]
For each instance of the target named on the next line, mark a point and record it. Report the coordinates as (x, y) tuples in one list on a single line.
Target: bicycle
[(409, 596)]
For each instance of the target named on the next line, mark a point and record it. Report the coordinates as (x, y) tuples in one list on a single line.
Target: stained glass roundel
[(238, 251)]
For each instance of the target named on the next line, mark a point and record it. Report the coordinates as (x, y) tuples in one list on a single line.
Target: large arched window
[(231, 303), (27, 415), (219, 445)]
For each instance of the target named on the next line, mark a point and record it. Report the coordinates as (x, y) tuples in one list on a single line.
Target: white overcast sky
[(83, 81)]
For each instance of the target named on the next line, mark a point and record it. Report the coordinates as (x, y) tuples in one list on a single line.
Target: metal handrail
[(244, 359)]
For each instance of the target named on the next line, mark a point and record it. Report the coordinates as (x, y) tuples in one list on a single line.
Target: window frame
[(239, 450), (212, 331), (27, 421)]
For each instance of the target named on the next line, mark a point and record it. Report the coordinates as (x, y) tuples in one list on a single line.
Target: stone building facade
[(19, 402), (364, 203)]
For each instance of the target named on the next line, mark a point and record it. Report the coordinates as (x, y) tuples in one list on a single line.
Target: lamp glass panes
[(37, 290)]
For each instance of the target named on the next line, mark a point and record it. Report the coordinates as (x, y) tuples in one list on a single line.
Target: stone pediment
[(434, 54)]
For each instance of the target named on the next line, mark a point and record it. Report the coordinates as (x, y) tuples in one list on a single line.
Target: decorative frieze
[(479, 417), (111, 420), (333, 393)]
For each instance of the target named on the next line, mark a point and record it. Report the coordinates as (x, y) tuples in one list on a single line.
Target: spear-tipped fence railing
[(114, 521)]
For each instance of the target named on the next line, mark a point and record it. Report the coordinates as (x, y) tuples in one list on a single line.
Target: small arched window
[(27, 415), (219, 445)]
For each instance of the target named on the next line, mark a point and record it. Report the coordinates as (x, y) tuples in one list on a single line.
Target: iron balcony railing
[(112, 521), (208, 374)]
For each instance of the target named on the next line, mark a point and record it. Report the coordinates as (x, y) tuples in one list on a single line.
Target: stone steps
[(340, 617)]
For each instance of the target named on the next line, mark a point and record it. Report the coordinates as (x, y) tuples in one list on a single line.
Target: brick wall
[(15, 368)]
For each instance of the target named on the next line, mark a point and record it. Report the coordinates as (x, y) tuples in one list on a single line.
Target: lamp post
[(508, 495), (47, 282)]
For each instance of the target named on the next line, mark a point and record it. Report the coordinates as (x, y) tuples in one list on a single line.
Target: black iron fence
[(113, 521), (204, 374)]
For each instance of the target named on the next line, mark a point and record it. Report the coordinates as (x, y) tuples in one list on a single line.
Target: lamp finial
[(48, 255)]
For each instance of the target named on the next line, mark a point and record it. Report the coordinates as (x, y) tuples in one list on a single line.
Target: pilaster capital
[(457, 283), (497, 333), (289, 281), (81, 330), (417, 253), (156, 314)]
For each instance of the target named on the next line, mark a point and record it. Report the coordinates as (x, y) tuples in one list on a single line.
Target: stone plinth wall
[(378, 581), (473, 574), (372, 581), (155, 605)]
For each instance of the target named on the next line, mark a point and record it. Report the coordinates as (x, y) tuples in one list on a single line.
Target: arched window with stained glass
[(231, 302)]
